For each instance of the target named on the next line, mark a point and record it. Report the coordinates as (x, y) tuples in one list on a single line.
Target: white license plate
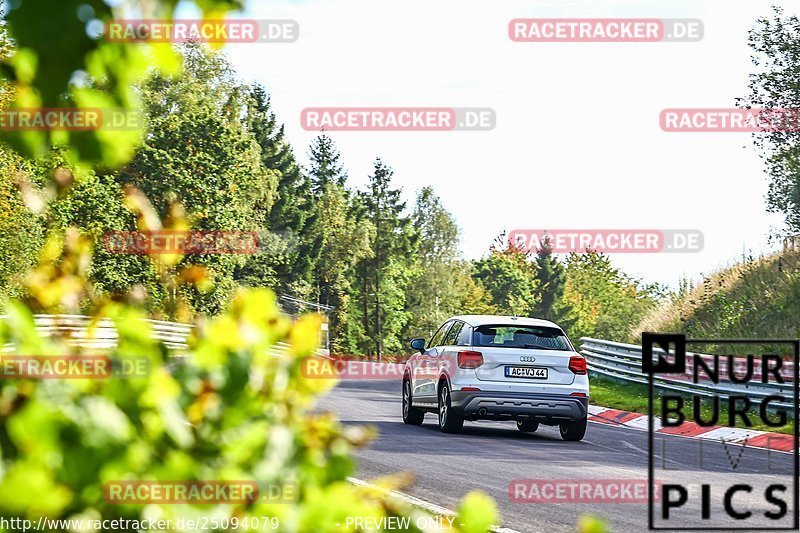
[(530, 372)]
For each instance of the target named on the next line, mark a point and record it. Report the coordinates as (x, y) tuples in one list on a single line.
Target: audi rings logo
[(527, 359)]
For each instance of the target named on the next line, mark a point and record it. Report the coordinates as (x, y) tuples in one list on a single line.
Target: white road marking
[(416, 502), (629, 445)]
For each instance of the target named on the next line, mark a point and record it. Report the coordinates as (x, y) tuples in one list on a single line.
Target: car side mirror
[(418, 344)]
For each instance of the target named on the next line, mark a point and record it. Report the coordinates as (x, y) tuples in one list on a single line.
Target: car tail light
[(577, 364), (470, 389), (579, 394), (469, 359)]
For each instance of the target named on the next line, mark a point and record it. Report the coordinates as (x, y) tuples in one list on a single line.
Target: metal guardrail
[(624, 361), (84, 332)]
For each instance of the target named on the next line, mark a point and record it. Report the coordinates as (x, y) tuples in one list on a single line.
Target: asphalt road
[(489, 456)]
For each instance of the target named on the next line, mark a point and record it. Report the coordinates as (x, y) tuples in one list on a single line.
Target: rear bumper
[(519, 405)]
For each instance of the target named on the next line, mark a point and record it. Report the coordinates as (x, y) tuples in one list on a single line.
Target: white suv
[(498, 368)]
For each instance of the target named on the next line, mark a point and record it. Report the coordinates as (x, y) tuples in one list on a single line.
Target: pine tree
[(291, 216), (345, 241), (384, 277), (325, 165), (552, 277)]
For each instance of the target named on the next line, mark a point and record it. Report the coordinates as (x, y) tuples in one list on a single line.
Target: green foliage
[(552, 277), (775, 43), (381, 280), (432, 295), (477, 510), (231, 409), (472, 296), (21, 231), (291, 214), (606, 302), (96, 205), (200, 153), (345, 243), (592, 524), (326, 169), (442, 284), (509, 276), (756, 298), (52, 50)]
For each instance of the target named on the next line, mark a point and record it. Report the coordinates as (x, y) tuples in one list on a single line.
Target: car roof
[(480, 320)]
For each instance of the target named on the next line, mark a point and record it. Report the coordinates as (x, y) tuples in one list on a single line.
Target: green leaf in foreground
[(477, 513)]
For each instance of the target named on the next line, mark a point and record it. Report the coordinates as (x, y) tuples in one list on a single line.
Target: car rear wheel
[(527, 426), (411, 415), (449, 420), (573, 431)]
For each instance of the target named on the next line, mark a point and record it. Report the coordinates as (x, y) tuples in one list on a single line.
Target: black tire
[(411, 415), (573, 431), (449, 420), (527, 426)]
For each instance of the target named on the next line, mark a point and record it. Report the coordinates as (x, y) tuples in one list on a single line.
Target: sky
[(577, 142)]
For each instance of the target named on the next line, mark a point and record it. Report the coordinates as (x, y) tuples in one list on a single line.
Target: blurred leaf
[(592, 524), (28, 489), (477, 513)]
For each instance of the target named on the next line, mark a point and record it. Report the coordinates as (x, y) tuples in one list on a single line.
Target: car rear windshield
[(529, 337)]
